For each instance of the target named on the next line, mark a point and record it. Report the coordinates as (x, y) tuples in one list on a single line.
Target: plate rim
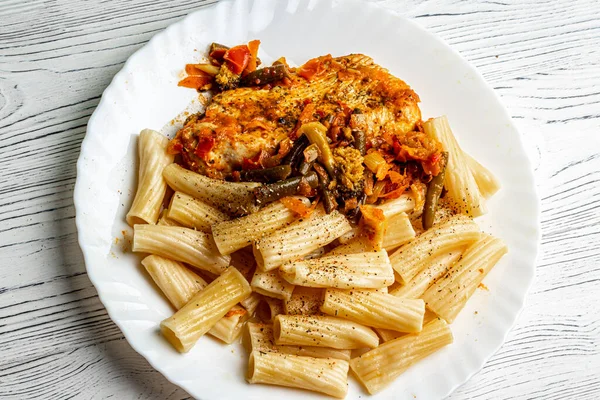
[(78, 189)]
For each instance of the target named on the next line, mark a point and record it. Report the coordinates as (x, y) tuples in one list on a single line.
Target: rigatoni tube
[(322, 331), (375, 309), (181, 244), (449, 294), (259, 337), (198, 316), (377, 368), (193, 213), (179, 285), (241, 232), (234, 198), (304, 301), (487, 183), (151, 185), (327, 376), (435, 268), (229, 328), (269, 283), (300, 238), (456, 232), (371, 270), (403, 204), (459, 181), (399, 231)]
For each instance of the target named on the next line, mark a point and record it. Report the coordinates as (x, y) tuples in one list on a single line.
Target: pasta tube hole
[(172, 338)]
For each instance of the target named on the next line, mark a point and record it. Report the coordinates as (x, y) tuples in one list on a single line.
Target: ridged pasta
[(259, 337), (299, 239), (370, 270), (193, 213), (375, 309), (241, 232), (269, 283), (322, 331), (233, 198), (377, 368), (202, 312), (181, 244), (449, 294), (151, 185), (455, 232), (329, 376)]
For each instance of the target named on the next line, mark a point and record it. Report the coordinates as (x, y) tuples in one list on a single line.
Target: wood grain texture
[(56, 58)]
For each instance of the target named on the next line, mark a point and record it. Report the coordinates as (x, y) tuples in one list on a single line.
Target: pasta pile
[(313, 296)]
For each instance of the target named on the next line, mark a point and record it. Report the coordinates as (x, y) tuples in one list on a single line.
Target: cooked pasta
[(179, 285), (164, 220), (487, 183), (370, 270), (193, 213), (259, 337), (377, 368), (269, 283), (449, 294), (374, 309), (241, 232), (202, 312), (322, 331), (454, 233), (299, 239), (459, 181), (434, 269), (181, 244), (304, 301), (151, 185), (329, 376), (399, 231), (231, 197)]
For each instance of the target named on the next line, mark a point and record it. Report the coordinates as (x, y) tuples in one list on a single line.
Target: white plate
[(144, 94)]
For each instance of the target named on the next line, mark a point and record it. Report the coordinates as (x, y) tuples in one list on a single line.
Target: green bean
[(355, 214), (434, 190), (293, 156), (311, 153), (360, 141), (317, 134), (289, 187), (328, 198), (266, 175), (265, 75), (304, 167)]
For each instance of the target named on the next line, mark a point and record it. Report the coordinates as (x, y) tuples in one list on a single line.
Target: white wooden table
[(56, 58)]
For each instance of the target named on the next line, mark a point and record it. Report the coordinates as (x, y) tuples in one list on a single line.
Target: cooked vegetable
[(296, 152), (237, 58), (317, 134), (226, 79), (311, 153), (434, 190), (289, 187), (355, 214), (328, 198), (217, 51), (376, 164), (360, 143), (253, 62), (273, 174), (265, 75), (196, 82), (201, 69)]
